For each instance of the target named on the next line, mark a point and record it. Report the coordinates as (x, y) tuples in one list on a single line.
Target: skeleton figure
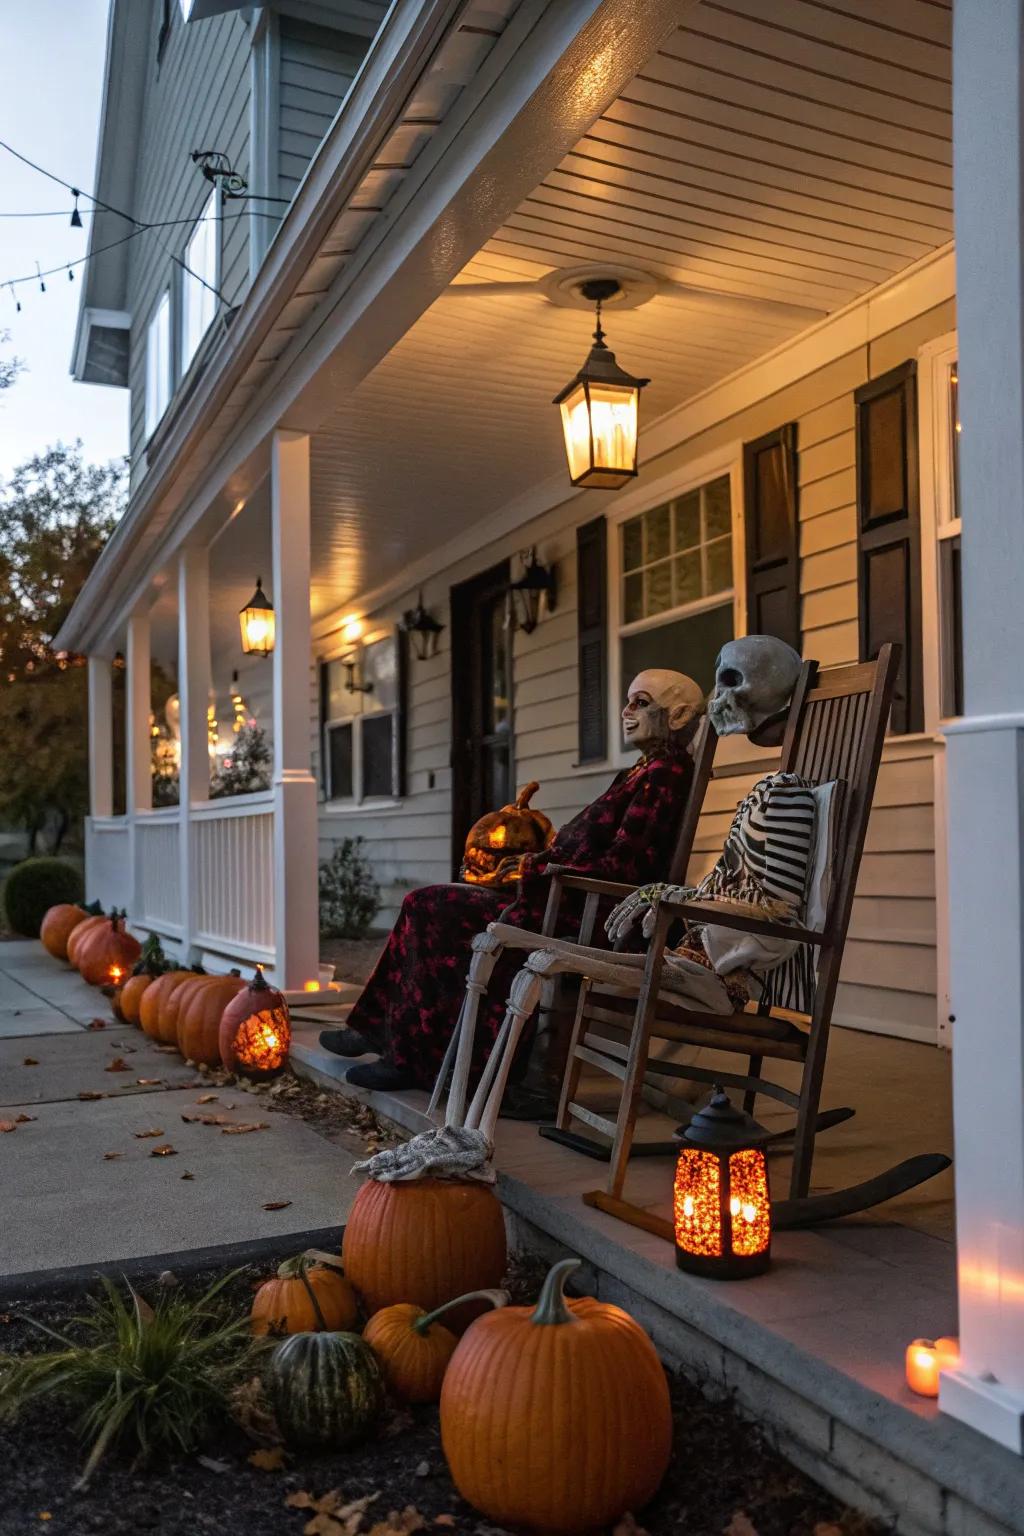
[(754, 682)]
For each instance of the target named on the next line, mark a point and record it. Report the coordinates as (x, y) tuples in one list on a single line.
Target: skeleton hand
[(639, 903), (664, 893)]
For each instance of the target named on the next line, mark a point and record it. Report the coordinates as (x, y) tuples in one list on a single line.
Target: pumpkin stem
[(495, 1298), (303, 1264), (259, 982), (526, 795), (551, 1307)]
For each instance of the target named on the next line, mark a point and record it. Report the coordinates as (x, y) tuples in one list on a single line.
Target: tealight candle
[(311, 986), (926, 1360)]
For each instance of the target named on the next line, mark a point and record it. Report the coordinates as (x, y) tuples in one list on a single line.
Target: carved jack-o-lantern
[(255, 1031), (496, 844)]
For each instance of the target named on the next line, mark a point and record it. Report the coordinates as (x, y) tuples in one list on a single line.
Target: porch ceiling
[(768, 165)]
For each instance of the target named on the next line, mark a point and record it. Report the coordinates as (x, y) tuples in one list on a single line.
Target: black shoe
[(524, 1104), (344, 1042), (380, 1075)]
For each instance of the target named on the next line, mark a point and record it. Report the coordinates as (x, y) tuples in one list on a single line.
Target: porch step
[(813, 1351)]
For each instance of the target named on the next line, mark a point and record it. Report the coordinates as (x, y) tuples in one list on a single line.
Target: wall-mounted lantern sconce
[(525, 595), (600, 409), (353, 678), (257, 623), (423, 629)]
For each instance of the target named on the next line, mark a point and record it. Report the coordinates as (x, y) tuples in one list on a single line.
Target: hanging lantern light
[(537, 581), (600, 409), (257, 623), (721, 1204), (423, 628)]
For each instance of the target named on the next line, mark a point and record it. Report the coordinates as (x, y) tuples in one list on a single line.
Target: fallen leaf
[(7, 1125), (627, 1526), (740, 1525), (444, 1519), (24, 1119), (188, 1175), (168, 1050), (269, 1459), (322, 1525), (164, 1151), (144, 1135), (299, 1500), (117, 1065), (90, 1093), (191, 1119), (108, 1157), (208, 1098), (276, 1205), (244, 1128), (5, 1317), (30, 1061), (150, 1082), (44, 1514), (423, 1469), (96, 1024), (213, 1465), (402, 1523)]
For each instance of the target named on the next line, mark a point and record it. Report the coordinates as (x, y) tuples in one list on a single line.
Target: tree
[(56, 513), (10, 367)]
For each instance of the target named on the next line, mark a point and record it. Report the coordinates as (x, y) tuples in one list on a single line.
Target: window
[(199, 282), (676, 583), (947, 533), (360, 703), (158, 364)]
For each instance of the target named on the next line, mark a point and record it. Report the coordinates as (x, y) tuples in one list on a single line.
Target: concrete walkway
[(80, 1179)]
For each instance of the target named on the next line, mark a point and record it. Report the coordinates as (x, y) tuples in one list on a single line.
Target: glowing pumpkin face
[(497, 843)]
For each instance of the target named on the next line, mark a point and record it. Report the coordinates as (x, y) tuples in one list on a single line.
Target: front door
[(481, 702)]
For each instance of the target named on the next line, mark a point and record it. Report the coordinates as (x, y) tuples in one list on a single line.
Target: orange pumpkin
[(105, 950), (255, 1031), (497, 842), (155, 999), (128, 1000), (58, 925), (574, 1396), (414, 1348), (427, 1241), (80, 933), (199, 1011), (305, 1297)]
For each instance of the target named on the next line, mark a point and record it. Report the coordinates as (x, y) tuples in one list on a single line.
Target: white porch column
[(986, 748), (296, 921), (138, 774), (101, 737), (194, 698)]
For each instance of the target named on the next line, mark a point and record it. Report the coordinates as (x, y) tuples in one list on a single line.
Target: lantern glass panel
[(749, 1204), (576, 427), (697, 1203), (257, 631), (613, 416)]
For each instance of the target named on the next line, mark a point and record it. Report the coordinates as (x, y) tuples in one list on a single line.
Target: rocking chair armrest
[(708, 912), (565, 875)]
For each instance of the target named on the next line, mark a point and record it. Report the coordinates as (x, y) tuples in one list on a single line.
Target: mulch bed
[(724, 1477)]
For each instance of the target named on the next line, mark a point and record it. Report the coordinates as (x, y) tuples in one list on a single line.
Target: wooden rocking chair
[(488, 946), (835, 731)]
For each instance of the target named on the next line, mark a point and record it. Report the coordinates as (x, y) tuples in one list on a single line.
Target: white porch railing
[(158, 872), (108, 867), (232, 864)]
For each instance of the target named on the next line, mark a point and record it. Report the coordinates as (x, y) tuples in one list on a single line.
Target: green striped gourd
[(327, 1389)]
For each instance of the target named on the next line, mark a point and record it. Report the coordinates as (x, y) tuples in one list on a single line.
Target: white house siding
[(889, 975), (196, 98), (316, 70)]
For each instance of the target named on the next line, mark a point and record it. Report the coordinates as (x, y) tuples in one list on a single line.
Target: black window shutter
[(772, 535), (401, 730), (889, 534), (325, 784), (592, 634)]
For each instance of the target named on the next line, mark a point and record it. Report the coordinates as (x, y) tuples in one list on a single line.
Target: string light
[(76, 217)]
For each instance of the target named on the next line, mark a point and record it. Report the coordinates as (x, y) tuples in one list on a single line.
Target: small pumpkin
[(326, 1389), (503, 835), (58, 925), (255, 1031), (574, 1395), (427, 1241), (154, 1000), (171, 1009), (81, 932), (199, 1011), (303, 1297), (107, 949), (151, 963), (414, 1348)]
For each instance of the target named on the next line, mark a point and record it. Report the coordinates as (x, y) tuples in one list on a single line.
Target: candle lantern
[(255, 1031), (256, 620), (600, 409), (721, 1204)]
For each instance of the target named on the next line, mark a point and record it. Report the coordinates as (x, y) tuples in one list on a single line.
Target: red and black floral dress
[(411, 1002)]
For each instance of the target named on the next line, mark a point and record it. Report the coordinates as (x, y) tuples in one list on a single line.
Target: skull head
[(659, 704), (754, 682)]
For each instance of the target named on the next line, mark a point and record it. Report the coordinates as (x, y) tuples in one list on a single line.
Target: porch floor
[(815, 1348)]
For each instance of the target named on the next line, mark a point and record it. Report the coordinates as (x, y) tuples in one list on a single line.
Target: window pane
[(633, 544), (380, 669), (688, 520), (688, 586), (719, 565), (717, 508), (339, 757), (378, 756), (495, 672), (340, 703), (633, 601), (158, 364), (659, 587), (659, 536), (689, 645), (199, 280), (954, 438)]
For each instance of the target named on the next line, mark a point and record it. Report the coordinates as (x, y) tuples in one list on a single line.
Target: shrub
[(349, 894), (33, 887)]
